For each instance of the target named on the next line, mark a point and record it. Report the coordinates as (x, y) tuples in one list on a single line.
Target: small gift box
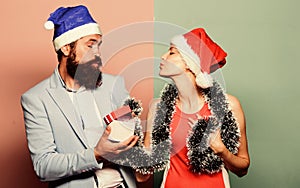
[(121, 130), (122, 124)]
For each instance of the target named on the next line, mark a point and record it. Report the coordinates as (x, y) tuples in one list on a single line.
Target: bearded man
[(67, 138)]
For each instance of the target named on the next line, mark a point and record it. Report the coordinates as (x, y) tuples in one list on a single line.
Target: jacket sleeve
[(47, 162), (119, 92)]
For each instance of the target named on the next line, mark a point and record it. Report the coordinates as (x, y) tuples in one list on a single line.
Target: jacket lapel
[(63, 101), (103, 101)]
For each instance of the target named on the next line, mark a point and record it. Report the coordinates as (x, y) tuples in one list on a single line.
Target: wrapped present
[(120, 113), (121, 130), (121, 123)]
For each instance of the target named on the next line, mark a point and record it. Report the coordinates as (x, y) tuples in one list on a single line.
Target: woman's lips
[(161, 65)]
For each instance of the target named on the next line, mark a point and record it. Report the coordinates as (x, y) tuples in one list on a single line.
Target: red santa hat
[(201, 54)]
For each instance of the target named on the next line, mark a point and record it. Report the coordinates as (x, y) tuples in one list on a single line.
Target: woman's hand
[(193, 122), (215, 140), (216, 143)]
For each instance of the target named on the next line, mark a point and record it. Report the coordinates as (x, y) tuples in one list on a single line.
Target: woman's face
[(172, 63)]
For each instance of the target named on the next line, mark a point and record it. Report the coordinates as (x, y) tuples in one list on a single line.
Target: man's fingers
[(106, 133), (108, 130), (128, 141), (127, 144), (133, 142)]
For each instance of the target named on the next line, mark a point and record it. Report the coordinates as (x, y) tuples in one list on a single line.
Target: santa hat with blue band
[(71, 24)]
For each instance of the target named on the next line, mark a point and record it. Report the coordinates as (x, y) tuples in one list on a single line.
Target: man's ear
[(65, 50)]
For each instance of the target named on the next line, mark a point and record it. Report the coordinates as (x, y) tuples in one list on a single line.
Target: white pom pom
[(204, 80), (49, 25)]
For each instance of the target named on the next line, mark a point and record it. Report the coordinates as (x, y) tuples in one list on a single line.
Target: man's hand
[(108, 150)]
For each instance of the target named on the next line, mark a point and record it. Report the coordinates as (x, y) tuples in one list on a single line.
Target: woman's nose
[(164, 56)]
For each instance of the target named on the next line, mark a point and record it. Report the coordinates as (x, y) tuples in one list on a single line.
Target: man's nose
[(96, 50)]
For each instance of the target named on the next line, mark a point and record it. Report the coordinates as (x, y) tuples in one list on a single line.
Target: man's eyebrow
[(95, 41), (92, 40)]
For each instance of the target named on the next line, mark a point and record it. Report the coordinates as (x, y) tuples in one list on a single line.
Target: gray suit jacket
[(57, 144)]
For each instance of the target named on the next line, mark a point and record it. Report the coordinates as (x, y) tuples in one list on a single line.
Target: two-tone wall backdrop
[(260, 37)]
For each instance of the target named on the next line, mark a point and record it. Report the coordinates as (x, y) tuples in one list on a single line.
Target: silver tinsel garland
[(201, 157)]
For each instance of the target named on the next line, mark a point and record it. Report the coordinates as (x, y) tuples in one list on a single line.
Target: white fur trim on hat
[(181, 44), (194, 67), (75, 34), (192, 60), (49, 25), (204, 80)]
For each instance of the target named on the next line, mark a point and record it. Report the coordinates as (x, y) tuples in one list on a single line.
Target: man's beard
[(85, 74)]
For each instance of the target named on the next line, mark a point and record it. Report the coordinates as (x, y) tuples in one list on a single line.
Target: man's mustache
[(96, 60)]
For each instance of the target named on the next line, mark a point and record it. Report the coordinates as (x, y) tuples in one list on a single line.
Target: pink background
[(27, 57)]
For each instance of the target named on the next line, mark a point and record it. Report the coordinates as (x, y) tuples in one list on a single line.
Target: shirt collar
[(63, 84)]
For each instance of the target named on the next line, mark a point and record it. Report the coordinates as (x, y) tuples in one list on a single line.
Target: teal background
[(262, 70)]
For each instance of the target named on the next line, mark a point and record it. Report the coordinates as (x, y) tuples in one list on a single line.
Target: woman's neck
[(190, 98)]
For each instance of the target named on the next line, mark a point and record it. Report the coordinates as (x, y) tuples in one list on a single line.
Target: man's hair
[(60, 54)]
